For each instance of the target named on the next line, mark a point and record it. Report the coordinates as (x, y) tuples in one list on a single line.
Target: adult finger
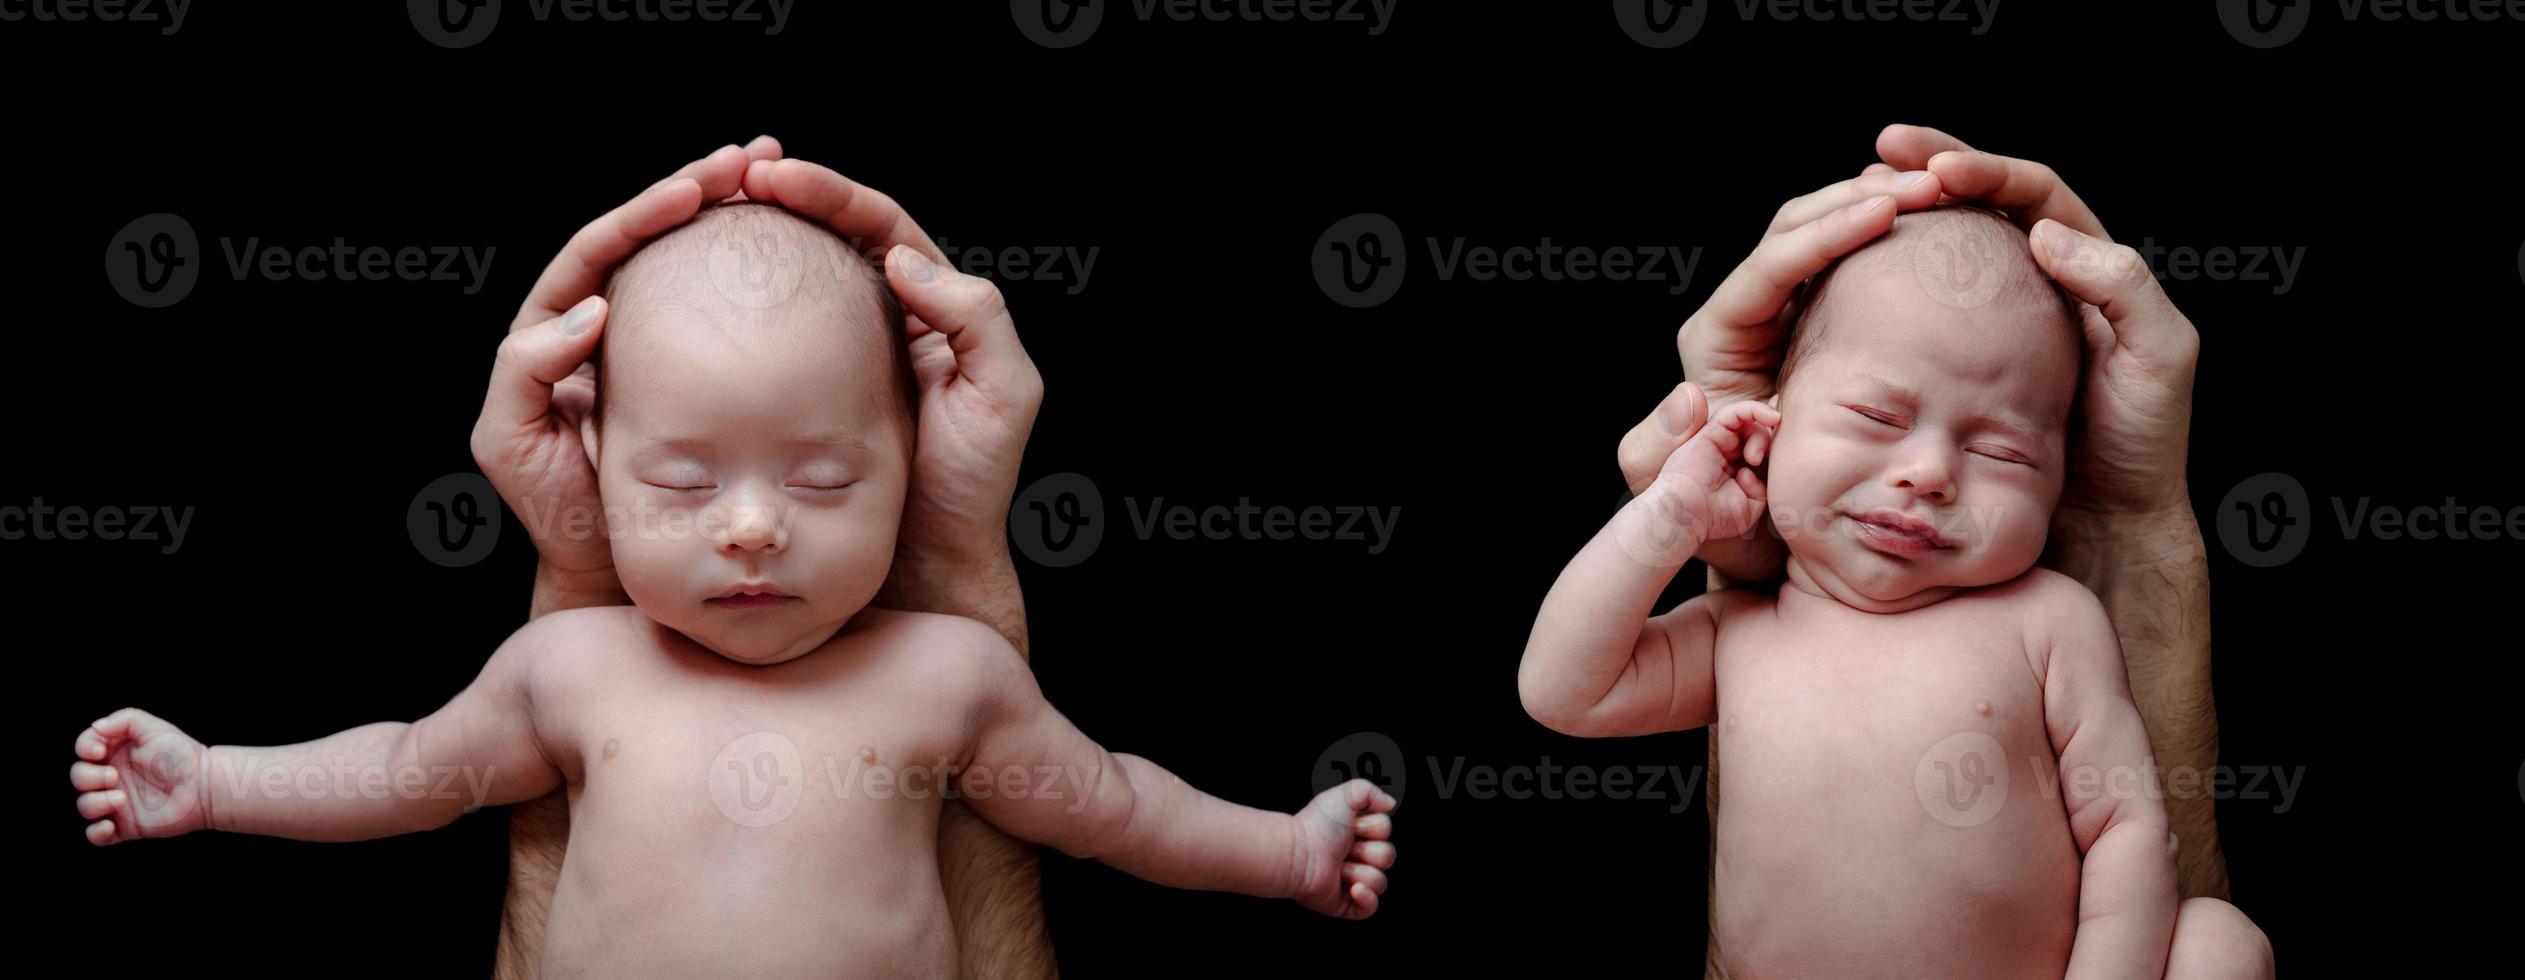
[(2027, 190), (1644, 449), (869, 220), (531, 361), (580, 268)]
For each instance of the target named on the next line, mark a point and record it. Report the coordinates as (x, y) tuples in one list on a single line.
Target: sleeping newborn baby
[(755, 756), (1934, 766)]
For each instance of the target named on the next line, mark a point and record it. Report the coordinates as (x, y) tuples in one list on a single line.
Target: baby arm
[(1035, 776), (2126, 894), (142, 777), (1597, 664)]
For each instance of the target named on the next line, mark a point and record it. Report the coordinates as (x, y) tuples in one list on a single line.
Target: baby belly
[(732, 902), (1909, 857)]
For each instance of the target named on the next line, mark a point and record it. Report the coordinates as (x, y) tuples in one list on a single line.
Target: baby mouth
[(1896, 532), (751, 597)]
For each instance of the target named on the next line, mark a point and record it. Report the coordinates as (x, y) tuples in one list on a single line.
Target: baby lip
[(1903, 524), (751, 591)]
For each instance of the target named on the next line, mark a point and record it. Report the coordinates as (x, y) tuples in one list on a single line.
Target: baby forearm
[(359, 784), (1181, 837), (1591, 620), (2126, 905)]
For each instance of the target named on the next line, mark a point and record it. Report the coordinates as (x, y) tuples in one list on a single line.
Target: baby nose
[(755, 527)]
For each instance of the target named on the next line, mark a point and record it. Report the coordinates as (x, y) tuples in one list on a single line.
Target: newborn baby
[(1934, 767), (755, 756)]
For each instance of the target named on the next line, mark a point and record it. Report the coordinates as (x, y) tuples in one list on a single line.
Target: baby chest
[(1877, 710)]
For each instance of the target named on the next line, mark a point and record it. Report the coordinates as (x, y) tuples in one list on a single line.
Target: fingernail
[(1911, 178), (918, 266), (575, 321), (2057, 238), (1674, 415), (1870, 204)]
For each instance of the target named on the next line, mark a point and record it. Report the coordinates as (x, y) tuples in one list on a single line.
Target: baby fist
[(138, 777), (1343, 835), (1708, 488)]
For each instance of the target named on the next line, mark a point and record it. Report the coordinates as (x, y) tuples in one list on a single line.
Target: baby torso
[(1887, 809), (734, 820)]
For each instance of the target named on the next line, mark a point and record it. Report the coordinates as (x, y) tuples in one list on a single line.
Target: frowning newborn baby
[(755, 756), (1934, 766)]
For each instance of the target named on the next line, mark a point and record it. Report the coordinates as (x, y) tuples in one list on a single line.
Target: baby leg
[(2214, 941)]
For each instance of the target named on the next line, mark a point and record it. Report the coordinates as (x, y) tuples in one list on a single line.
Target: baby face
[(1923, 439), (752, 455)]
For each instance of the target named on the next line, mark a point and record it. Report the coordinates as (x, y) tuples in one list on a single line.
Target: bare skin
[(979, 397), (2125, 527), (734, 819)]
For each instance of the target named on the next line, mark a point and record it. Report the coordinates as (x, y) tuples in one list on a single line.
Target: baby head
[(1925, 405), (753, 431)]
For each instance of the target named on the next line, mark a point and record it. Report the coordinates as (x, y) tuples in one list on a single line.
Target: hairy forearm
[(556, 590), (993, 893), (981, 587), (360, 784), (2152, 574)]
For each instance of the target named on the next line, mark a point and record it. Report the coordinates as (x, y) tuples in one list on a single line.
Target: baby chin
[(759, 630)]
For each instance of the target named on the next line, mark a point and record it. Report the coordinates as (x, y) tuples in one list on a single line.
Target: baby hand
[(1343, 833), (139, 777), (1709, 482)]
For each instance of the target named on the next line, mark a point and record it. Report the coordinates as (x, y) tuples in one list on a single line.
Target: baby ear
[(588, 438)]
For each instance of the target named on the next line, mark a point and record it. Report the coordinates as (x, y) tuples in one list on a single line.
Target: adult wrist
[(559, 588)]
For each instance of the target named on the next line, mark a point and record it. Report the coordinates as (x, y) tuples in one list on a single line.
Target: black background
[(1202, 364)]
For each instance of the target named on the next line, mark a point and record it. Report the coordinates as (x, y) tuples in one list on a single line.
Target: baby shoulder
[(950, 654)]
